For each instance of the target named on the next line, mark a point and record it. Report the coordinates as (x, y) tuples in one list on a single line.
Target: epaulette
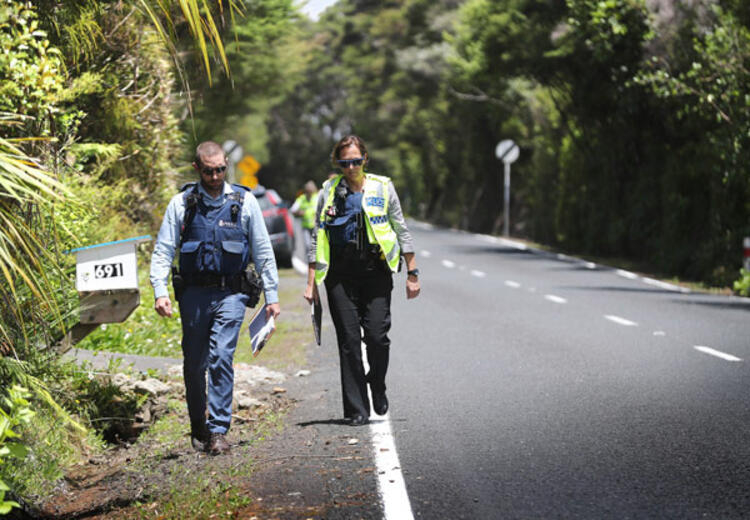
[(238, 193), (379, 178), (241, 186)]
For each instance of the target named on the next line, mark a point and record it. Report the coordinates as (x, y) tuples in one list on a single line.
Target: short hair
[(310, 185), (345, 142), (207, 149)]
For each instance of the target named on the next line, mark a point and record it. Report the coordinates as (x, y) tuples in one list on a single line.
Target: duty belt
[(231, 281), (353, 249)]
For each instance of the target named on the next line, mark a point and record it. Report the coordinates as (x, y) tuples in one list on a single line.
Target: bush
[(15, 411), (742, 285)]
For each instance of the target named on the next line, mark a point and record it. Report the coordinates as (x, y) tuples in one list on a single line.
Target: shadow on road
[(323, 421), (623, 289), (738, 305), (501, 250)]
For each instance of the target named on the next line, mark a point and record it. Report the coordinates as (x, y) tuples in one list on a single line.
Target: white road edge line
[(423, 225), (512, 243), (620, 321), (555, 299), (664, 285), (299, 265), (391, 485), (448, 264), (718, 353), (511, 283), (626, 274)]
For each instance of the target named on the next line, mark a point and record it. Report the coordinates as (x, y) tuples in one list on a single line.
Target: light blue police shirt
[(252, 224)]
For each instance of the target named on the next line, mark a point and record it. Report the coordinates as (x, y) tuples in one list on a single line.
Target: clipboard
[(316, 312), (260, 330)]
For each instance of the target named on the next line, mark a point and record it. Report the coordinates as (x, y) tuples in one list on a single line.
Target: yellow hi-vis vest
[(379, 230), (307, 207)]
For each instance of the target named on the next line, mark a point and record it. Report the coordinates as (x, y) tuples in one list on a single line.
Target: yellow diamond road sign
[(248, 165), (247, 168)]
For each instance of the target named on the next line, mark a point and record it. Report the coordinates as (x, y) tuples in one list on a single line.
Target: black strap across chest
[(193, 197)]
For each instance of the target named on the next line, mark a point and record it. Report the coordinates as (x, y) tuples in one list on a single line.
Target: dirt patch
[(292, 456), (133, 480)]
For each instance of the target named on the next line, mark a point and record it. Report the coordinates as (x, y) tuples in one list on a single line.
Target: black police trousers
[(361, 301)]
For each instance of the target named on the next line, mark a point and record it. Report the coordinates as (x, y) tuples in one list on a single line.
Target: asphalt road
[(526, 385)]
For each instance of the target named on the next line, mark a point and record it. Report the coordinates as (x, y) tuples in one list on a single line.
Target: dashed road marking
[(478, 274), (426, 254), (511, 283), (659, 333), (620, 321), (396, 504), (448, 264), (718, 353), (555, 299)]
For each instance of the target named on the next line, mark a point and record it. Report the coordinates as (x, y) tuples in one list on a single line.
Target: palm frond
[(16, 370), (201, 24), (24, 258)]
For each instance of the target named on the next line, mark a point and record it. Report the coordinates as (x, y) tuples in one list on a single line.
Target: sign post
[(507, 151), (234, 154)]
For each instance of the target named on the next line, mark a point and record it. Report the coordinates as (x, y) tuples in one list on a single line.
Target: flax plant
[(25, 188)]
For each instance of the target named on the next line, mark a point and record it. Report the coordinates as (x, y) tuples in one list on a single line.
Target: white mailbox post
[(107, 284)]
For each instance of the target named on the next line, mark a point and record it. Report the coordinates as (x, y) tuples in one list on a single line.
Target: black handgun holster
[(178, 284)]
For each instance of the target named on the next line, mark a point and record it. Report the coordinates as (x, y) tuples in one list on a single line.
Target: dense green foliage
[(18, 412), (633, 124), (91, 96)]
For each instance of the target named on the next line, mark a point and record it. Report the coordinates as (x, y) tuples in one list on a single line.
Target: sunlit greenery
[(92, 93), (633, 123)]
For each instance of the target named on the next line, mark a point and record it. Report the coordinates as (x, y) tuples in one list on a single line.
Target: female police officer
[(359, 237)]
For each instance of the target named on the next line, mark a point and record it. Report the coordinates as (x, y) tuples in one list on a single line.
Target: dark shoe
[(218, 444), (380, 403), (359, 420), (199, 438)]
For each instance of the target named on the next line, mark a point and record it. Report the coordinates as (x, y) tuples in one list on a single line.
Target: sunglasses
[(348, 163), (208, 172)]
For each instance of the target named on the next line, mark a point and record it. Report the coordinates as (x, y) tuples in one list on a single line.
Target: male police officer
[(217, 227)]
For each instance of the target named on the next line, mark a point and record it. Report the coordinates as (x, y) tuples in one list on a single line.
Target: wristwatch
[(413, 272)]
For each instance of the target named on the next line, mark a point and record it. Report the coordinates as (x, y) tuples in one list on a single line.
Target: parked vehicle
[(278, 223)]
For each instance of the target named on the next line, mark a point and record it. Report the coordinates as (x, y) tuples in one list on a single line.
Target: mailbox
[(107, 281)]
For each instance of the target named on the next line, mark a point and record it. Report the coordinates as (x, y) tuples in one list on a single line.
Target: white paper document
[(260, 330)]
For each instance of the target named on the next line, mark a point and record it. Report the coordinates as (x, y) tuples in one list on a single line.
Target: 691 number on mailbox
[(108, 270)]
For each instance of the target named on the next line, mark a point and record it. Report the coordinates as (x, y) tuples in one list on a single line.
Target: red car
[(278, 223)]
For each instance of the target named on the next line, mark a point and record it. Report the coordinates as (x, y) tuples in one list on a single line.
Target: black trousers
[(354, 302)]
